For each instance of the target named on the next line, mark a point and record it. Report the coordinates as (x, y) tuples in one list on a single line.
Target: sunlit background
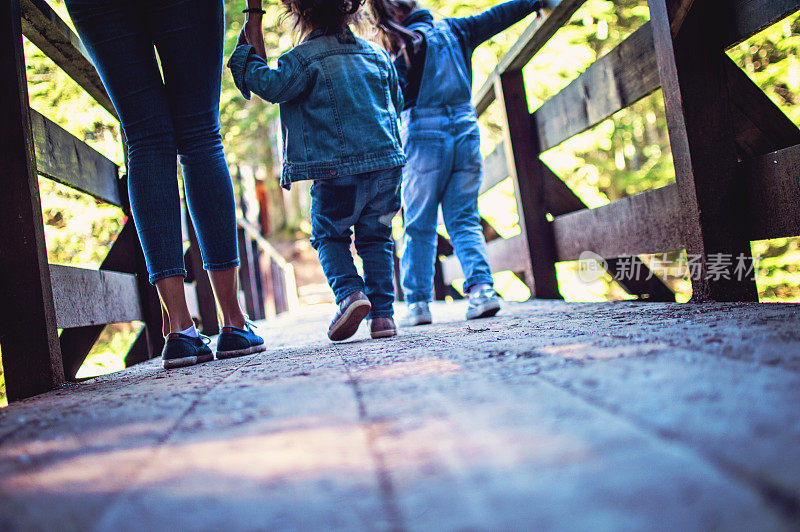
[(624, 155)]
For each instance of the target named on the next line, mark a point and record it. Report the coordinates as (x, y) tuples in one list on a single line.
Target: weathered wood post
[(528, 174), (279, 287), (258, 277), (692, 64), (246, 274), (28, 334)]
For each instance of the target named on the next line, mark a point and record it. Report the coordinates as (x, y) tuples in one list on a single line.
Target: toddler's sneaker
[(382, 328), (181, 350), (236, 342), (418, 314), (352, 310), (483, 303)]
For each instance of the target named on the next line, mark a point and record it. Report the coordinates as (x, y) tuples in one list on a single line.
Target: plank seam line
[(388, 493), (773, 495), (141, 466)]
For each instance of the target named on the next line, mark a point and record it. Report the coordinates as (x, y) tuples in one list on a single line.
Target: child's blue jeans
[(444, 168), (165, 117), (366, 203)]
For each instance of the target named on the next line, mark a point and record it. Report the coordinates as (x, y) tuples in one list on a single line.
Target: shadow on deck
[(551, 415)]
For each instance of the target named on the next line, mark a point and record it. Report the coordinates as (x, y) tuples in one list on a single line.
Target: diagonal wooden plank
[(737, 20), (741, 19), (620, 78), (44, 28), (529, 43), (760, 125), (678, 14)]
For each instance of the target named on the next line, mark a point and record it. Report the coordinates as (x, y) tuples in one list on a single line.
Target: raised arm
[(252, 32), (252, 73), (481, 27)]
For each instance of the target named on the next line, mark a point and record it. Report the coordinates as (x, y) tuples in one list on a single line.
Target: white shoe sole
[(408, 321), (186, 361), (241, 352)]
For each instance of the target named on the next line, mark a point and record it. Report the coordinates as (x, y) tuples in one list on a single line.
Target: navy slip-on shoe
[(181, 350), (236, 342)]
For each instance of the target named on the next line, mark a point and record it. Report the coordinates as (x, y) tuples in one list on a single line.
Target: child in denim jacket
[(339, 99)]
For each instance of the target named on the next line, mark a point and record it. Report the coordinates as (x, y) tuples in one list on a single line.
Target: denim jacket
[(467, 33), (339, 99)]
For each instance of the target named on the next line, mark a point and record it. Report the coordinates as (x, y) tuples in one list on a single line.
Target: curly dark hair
[(329, 15), (388, 16)]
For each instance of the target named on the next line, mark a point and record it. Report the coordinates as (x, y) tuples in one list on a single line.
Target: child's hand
[(537, 10), (242, 38), (240, 42)]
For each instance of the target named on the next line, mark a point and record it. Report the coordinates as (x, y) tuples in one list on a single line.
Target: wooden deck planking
[(552, 415)]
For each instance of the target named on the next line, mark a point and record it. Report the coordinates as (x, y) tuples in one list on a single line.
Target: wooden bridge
[(643, 414)]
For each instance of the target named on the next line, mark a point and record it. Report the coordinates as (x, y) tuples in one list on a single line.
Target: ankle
[(479, 286), (237, 321), (180, 326)]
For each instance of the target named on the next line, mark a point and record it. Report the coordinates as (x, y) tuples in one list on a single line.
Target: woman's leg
[(188, 36), (117, 39), (173, 300), (226, 288)]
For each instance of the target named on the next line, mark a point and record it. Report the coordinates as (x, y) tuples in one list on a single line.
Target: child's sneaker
[(483, 303), (181, 350), (352, 310), (418, 314), (382, 328), (236, 342)]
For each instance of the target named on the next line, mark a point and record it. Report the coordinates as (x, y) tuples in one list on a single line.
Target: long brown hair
[(310, 15), (388, 15)]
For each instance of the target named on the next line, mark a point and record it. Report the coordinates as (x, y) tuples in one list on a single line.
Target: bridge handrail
[(767, 144)]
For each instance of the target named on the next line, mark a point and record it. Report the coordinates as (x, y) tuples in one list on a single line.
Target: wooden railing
[(37, 298), (736, 154)]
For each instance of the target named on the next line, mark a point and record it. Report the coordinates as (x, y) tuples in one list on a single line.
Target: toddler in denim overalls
[(440, 133), (339, 99)]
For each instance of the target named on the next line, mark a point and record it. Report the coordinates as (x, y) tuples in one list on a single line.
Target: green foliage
[(624, 155)]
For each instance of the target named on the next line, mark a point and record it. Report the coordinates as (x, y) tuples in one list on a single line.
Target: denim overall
[(442, 143)]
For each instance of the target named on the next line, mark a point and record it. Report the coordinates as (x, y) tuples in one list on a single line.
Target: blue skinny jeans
[(366, 202), (164, 117), (444, 168)]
